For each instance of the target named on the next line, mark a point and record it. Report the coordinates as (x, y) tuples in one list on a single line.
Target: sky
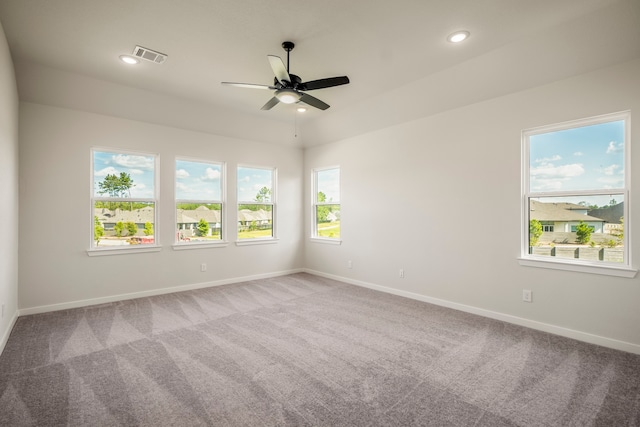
[(251, 180), (140, 168), (198, 181), (329, 184), (584, 158)]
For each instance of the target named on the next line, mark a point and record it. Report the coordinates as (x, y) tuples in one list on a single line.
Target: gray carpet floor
[(301, 350)]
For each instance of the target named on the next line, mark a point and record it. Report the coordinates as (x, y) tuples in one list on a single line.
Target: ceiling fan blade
[(249, 85), (270, 104), (314, 102), (279, 70), (324, 83)]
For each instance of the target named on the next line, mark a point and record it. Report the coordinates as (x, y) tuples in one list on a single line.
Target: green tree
[(110, 185), (264, 195), (535, 231), (322, 212), (118, 228), (619, 233), (98, 230), (117, 186), (203, 227), (132, 228), (125, 186), (148, 229), (583, 232)]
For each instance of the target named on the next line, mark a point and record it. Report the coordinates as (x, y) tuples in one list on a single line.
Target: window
[(199, 202), (256, 203), (326, 203), (547, 226), (576, 184), (123, 200)]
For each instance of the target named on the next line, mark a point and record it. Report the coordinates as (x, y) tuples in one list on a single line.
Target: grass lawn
[(329, 229), (254, 234)]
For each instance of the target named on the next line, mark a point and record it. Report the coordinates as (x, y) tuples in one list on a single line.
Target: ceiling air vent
[(149, 55)]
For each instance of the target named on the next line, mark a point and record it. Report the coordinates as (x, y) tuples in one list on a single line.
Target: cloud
[(611, 181), (182, 174), (107, 171), (549, 159), (610, 170), (245, 179), (615, 148), (547, 177), (131, 161), (578, 153), (136, 172), (558, 172), (210, 175), (542, 184), (182, 187)]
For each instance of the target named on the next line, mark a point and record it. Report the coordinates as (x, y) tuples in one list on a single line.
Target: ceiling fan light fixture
[(287, 96), (458, 36)]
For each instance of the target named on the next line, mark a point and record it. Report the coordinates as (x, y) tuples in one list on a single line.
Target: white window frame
[(623, 269), (314, 206), (128, 249), (185, 245), (273, 203)]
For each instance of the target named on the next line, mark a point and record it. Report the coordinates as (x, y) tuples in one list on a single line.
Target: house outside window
[(256, 203), (123, 200), (199, 191), (326, 203), (575, 185)]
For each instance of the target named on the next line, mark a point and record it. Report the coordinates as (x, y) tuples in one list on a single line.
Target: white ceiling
[(395, 53)]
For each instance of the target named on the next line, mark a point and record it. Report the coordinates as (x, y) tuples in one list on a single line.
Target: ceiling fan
[(289, 88)]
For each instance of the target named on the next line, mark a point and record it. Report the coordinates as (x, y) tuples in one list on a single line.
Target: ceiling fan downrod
[(288, 46)]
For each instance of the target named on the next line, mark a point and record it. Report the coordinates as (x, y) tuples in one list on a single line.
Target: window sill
[(326, 241), (195, 245), (606, 269), (249, 242), (119, 251)]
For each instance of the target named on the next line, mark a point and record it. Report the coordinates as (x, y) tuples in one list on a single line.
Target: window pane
[(123, 223), (328, 221), (198, 180), (583, 227), (255, 221), (328, 186), (123, 175), (583, 158), (255, 184), (198, 222)]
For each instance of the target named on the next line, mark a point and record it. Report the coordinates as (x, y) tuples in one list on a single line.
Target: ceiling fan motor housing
[(294, 83)]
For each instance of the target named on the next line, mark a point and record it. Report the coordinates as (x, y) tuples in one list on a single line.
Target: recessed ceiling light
[(458, 36), (302, 109), (128, 59)]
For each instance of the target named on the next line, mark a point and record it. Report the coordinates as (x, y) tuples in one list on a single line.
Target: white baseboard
[(533, 324), (153, 292), (7, 332)]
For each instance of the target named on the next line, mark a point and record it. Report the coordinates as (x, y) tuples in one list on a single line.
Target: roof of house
[(560, 212)]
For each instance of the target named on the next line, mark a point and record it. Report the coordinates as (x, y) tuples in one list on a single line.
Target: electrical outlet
[(203, 267), (349, 264), (527, 295), (401, 273)]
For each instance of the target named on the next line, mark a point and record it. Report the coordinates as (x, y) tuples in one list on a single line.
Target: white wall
[(414, 195), (8, 191), (55, 270)]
